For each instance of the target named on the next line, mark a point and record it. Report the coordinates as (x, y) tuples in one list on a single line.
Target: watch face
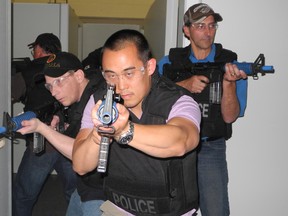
[(127, 137), (125, 140)]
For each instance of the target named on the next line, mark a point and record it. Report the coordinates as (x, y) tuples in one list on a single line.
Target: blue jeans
[(32, 174), (88, 208), (213, 178)]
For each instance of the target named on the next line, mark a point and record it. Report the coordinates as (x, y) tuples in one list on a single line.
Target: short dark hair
[(49, 42), (120, 39)]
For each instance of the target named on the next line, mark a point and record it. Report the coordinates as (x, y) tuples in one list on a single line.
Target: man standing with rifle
[(222, 101), (152, 165)]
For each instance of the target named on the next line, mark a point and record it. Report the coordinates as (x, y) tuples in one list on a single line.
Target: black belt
[(209, 139)]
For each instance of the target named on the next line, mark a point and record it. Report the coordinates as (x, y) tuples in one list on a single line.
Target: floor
[(51, 201)]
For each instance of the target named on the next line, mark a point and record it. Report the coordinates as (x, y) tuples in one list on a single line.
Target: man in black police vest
[(152, 166)]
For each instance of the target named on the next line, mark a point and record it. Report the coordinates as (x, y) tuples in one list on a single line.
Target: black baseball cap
[(48, 41), (60, 63)]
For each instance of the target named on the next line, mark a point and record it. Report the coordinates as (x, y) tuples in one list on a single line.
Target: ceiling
[(104, 11)]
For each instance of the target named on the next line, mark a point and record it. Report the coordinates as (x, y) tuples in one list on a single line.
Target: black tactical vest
[(37, 96), (181, 68), (89, 186), (144, 185), (76, 111)]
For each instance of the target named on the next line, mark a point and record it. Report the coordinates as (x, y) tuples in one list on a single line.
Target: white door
[(161, 26)]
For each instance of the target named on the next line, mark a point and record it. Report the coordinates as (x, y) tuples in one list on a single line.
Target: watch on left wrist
[(127, 137)]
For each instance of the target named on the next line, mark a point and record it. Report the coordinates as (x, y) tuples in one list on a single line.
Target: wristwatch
[(127, 137)]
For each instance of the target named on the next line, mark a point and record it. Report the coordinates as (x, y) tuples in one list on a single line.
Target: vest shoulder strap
[(94, 85), (178, 54)]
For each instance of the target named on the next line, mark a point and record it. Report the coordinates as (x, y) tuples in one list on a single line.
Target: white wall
[(71, 30), (30, 20), (183, 6), (257, 153), (161, 20), (160, 26), (5, 95), (95, 35), (155, 27)]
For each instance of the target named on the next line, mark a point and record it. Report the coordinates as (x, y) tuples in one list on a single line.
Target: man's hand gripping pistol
[(107, 114)]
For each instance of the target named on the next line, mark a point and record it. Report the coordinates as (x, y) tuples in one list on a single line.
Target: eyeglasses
[(203, 26), (34, 49), (128, 74), (58, 82)]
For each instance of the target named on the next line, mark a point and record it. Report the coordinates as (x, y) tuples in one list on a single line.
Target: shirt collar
[(209, 58)]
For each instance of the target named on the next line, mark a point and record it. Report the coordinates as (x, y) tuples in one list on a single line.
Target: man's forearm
[(229, 104), (165, 141), (63, 143)]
